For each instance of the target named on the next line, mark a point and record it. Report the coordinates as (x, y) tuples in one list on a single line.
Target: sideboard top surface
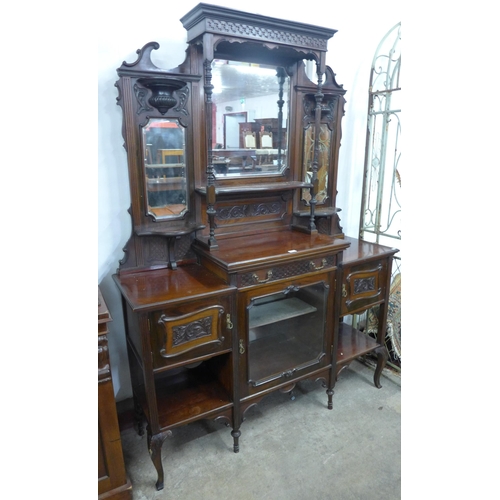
[(365, 250), (265, 248), (148, 290)]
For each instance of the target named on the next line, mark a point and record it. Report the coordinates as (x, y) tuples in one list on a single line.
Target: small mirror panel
[(164, 168), (325, 135), (250, 107)]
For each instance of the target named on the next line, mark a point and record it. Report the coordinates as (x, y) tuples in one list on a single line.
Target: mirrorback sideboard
[(237, 273)]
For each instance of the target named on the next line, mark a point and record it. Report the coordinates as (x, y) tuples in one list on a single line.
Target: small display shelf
[(353, 344), (275, 311), (188, 394), (255, 188)]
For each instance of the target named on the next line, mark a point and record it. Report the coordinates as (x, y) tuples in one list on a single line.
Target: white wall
[(124, 27)]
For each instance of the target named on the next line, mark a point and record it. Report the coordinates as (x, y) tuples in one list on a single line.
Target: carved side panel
[(104, 370), (156, 250)]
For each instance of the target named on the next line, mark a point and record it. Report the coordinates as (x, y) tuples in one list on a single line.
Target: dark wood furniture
[(113, 482), (236, 291), (366, 280)]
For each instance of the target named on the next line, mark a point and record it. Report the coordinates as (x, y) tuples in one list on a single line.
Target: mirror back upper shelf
[(225, 143)]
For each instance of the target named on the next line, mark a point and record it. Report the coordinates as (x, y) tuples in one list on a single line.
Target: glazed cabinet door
[(286, 332)]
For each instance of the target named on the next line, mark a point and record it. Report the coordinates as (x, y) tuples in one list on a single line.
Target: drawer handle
[(257, 280), (318, 268), (344, 291), (242, 347)]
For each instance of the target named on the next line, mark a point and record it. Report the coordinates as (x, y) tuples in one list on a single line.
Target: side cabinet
[(113, 481), (366, 278), (180, 341)]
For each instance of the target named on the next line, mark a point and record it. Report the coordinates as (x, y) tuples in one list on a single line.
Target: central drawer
[(283, 271)]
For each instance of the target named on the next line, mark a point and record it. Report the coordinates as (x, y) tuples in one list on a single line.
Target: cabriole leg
[(154, 446), (382, 356)]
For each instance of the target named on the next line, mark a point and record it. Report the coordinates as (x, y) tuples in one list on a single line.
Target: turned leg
[(332, 378), (236, 436), (154, 446), (329, 392), (382, 356)]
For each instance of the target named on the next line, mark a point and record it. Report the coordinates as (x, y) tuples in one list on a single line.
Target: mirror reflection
[(323, 162), (164, 167), (250, 107)]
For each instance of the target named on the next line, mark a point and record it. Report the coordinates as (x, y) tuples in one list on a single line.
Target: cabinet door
[(286, 333), (181, 334), (363, 286)]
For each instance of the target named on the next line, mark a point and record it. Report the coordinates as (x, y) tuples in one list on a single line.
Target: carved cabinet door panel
[(180, 334), (363, 285)]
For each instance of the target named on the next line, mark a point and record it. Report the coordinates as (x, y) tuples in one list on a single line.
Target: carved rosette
[(364, 285), (192, 331)]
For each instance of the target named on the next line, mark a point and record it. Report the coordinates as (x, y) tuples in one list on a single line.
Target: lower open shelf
[(188, 394), (352, 344)]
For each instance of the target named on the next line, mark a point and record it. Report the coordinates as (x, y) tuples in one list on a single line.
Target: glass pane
[(165, 168), (286, 332)]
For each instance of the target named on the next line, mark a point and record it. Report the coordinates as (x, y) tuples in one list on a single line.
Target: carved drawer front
[(363, 285), (178, 338), (289, 270)]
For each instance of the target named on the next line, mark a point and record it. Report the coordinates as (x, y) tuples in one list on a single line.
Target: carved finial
[(144, 60)]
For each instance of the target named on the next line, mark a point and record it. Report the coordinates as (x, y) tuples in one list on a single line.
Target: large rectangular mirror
[(250, 116)]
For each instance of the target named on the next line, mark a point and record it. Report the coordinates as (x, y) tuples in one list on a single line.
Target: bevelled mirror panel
[(324, 144), (165, 168), (251, 109)]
